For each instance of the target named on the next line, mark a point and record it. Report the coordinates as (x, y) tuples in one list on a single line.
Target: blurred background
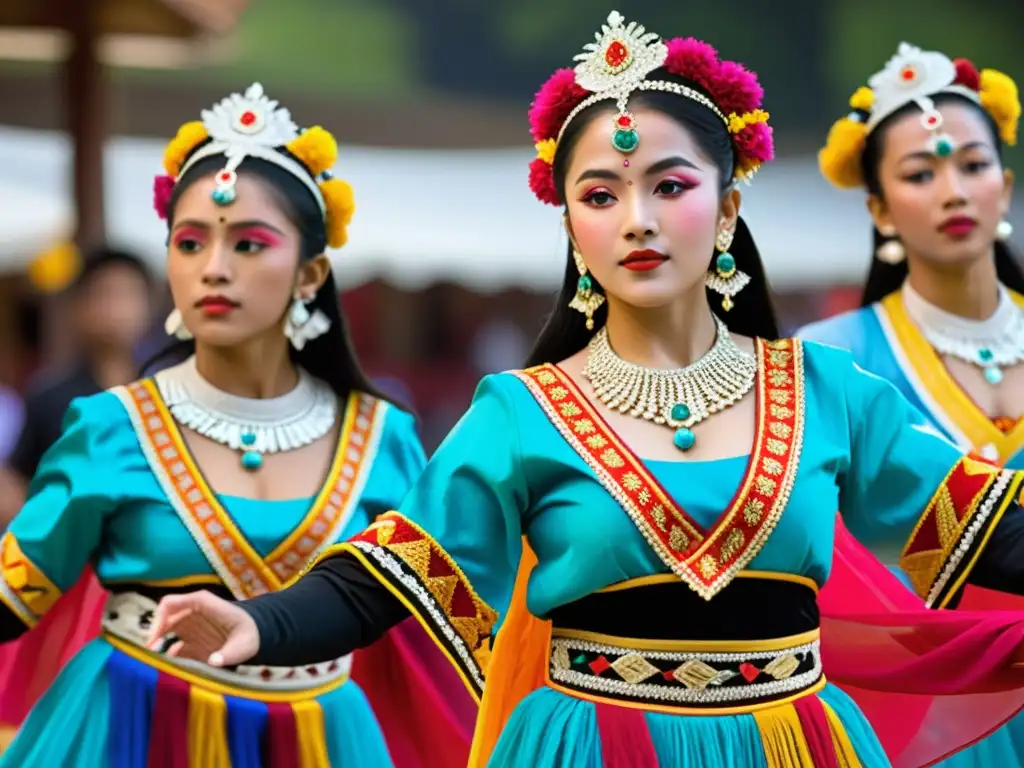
[(451, 264)]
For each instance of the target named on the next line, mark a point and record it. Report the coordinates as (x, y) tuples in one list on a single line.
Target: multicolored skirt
[(120, 706), (746, 687), (615, 701)]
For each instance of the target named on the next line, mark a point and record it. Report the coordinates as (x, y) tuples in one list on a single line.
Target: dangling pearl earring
[(1003, 230), (300, 326), (174, 325), (891, 251)]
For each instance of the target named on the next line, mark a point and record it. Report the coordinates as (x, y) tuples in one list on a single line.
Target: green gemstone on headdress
[(625, 139), (943, 148)]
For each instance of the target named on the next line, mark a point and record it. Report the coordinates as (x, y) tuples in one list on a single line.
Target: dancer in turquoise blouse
[(943, 315), (620, 546), (233, 469)]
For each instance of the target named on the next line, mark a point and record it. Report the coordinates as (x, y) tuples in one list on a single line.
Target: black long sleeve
[(334, 609), (1000, 565)]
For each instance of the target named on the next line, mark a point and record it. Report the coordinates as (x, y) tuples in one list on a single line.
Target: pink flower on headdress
[(735, 89), (163, 186), (967, 74), (755, 141), (542, 182), (693, 59), (553, 103)]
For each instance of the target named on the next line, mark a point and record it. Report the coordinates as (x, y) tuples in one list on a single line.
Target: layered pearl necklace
[(249, 425), (991, 344), (679, 398)]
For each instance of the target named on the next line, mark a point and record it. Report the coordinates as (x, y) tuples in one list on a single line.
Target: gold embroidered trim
[(706, 560)]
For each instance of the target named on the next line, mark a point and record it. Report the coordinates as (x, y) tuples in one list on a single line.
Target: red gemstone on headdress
[(225, 176), (616, 54), (908, 73), (931, 120), (625, 121), (247, 118)]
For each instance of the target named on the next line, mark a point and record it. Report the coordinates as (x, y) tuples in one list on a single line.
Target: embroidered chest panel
[(224, 545), (707, 560)]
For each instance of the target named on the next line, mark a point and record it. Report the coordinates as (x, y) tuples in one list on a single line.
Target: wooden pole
[(86, 105)]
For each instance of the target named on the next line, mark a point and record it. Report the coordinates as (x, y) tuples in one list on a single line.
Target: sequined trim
[(129, 616), (24, 588), (223, 681), (706, 560), (691, 679), (956, 524), (403, 557), (224, 545)]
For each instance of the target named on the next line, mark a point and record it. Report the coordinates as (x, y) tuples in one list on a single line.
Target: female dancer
[(942, 316), (232, 469), (676, 479)]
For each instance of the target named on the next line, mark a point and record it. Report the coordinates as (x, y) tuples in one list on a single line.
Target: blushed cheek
[(690, 219), (595, 233)]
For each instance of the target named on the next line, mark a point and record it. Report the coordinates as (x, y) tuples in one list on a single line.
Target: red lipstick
[(644, 261), (958, 226), (216, 306)]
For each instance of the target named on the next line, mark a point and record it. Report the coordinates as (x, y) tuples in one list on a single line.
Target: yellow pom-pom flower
[(738, 122), (1000, 98), (546, 150), (316, 148), (340, 203), (189, 136), (863, 99), (839, 159)]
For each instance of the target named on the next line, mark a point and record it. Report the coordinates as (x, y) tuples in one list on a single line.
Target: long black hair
[(884, 278), (753, 314), (330, 357)]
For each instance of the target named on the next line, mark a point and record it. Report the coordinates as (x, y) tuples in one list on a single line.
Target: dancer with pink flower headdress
[(619, 547)]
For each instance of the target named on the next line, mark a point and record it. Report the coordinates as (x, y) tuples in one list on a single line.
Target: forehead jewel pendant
[(614, 66), (224, 192), (911, 76)]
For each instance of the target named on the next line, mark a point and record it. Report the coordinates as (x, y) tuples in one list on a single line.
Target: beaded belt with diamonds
[(127, 617), (695, 654), (686, 674)]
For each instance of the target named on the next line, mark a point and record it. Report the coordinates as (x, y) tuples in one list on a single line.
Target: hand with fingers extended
[(204, 627)]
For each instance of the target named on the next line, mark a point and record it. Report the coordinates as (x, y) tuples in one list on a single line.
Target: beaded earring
[(586, 300), (726, 279)]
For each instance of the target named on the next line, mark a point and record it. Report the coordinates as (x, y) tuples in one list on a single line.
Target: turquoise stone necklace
[(253, 427), (992, 344), (679, 398)]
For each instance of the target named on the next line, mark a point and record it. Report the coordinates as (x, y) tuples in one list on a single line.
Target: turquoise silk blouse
[(119, 491), (532, 456)]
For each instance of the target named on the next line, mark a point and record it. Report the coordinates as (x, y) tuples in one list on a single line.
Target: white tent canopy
[(426, 215)]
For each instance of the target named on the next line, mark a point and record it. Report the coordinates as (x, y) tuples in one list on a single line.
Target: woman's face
[(234, 270), (645, 223), (945, 209)]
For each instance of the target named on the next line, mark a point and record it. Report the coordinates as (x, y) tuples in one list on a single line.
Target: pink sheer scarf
[(930, 682), (423, 708), (30, 664)]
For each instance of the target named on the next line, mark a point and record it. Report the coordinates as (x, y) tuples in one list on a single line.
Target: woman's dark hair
[(884, 278), (753, 314), (330, 357)]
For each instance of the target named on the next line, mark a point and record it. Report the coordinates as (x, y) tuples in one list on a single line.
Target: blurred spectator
[(110, 311), (12, 416)]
